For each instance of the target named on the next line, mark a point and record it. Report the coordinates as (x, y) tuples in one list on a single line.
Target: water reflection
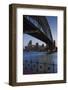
[(39, 62)]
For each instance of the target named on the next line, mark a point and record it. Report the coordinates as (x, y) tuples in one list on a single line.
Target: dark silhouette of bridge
[(38, 27)]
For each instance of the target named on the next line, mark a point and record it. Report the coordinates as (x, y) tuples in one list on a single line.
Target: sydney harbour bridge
[(38, 27)]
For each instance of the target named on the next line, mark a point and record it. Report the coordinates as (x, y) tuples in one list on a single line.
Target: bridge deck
[(34, 26)]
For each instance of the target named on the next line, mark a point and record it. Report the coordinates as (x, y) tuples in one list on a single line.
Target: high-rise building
[(37, 45), (30, 43), (42, 45)]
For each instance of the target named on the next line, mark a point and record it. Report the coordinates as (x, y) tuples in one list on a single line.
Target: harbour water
[(39, 62)]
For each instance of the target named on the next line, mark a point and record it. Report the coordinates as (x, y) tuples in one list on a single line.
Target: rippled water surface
[(39, 62)]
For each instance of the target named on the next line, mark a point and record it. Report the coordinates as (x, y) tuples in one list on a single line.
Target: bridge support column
[(52, 48)]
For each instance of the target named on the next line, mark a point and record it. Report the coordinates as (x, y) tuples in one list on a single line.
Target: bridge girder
[(30, 29)]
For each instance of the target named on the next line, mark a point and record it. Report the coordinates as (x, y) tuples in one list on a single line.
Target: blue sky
[(52, 20)]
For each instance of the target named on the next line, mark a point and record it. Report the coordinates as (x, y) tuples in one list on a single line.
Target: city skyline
[(52, 21)]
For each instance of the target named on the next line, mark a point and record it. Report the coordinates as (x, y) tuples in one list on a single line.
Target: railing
[(31, 67)]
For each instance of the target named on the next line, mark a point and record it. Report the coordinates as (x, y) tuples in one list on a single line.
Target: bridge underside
[(30, 29)]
